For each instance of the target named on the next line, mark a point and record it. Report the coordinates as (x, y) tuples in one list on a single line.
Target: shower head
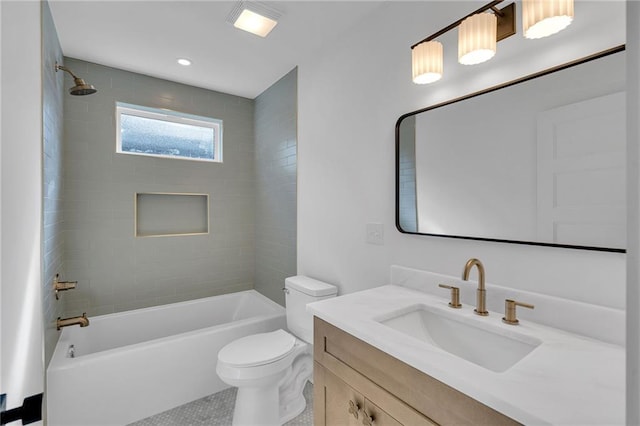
[(81, 87)]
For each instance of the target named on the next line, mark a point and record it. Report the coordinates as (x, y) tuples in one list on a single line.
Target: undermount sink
[(465, 339)]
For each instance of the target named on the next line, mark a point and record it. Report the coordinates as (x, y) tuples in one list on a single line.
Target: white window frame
[(174, 117)]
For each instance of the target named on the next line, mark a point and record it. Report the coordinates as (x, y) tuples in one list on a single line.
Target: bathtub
[(131, 365)]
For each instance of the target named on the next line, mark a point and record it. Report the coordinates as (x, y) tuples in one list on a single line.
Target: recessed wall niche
[(171, 214)]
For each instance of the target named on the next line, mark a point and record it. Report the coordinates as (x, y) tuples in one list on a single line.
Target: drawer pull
[(353, 408), (367, 419)]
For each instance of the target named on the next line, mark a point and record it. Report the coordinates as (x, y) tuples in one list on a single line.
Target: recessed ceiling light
[(254, 17), (184, 62), (254, 23)]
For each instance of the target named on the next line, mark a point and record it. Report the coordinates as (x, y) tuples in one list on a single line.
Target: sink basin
[(496, 350)]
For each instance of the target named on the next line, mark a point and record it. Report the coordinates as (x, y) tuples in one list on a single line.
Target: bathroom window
[(168, 134)]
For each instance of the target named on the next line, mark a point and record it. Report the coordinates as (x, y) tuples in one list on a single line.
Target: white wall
[(22, 371), (633, 223), (1, 357), (52, 233), (350, 96)]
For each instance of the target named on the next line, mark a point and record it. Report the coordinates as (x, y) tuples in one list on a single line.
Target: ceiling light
[(184, 62), (254, 17), (542, 18), (426, 59), (254, 23)]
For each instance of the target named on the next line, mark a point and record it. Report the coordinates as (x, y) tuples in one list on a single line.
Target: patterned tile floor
[(217, 410)]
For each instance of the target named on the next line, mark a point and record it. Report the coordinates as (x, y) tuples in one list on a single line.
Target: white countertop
[(568, 379)]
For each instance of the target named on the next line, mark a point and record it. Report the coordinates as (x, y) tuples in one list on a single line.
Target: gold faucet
[(510, 311), (62, 285), (455, 296), (481, 298), (82, 321)]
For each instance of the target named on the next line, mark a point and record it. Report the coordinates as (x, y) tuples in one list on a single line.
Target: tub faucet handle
[(62, 285), (285, 290)]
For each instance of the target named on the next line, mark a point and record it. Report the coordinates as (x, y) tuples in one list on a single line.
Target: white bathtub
[(130, 365)]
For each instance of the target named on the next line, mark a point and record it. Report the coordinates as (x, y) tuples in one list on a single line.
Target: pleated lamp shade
[(477, 38), (541, 18), (426, 62)]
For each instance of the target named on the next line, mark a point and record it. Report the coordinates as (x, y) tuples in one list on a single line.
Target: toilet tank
[(299, 291)]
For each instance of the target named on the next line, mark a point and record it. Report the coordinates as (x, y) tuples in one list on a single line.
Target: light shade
[(541, 18), (426, 62), (254, 23), (477, 38)]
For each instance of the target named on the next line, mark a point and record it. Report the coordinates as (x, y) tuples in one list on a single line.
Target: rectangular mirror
[(539, 160)]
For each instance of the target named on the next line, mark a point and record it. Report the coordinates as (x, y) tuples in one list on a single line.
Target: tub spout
[(82, 321)]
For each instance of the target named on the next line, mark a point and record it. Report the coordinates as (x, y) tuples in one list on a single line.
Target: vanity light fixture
[(542, 18), (254, 17), (479, 32)]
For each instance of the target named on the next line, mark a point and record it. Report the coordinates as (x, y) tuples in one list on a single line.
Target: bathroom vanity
[(355, 383), (396, 355)]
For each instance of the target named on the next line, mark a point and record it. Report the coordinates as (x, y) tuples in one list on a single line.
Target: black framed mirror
[(539, 160)]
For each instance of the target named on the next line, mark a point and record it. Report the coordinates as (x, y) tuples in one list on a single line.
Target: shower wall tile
[(275, 164), (115, 270), (53, 237)]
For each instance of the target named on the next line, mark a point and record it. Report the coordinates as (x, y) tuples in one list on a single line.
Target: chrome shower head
[(81, 87)]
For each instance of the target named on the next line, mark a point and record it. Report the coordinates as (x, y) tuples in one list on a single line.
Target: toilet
[(271, 369)]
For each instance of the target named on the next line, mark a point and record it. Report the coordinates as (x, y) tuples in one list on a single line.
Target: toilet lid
[(257, 349)]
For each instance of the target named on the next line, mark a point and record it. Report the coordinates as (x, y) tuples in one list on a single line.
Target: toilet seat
[(257, 349)]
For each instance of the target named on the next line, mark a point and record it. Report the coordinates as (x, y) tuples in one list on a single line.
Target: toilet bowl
[(271, 369), (262, 367)]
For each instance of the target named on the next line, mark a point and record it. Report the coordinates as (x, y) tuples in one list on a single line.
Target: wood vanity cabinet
[(345, 406), (357, 384)]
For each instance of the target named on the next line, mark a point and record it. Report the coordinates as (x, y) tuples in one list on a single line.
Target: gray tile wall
[(52, 99), (117, 271), (275, 162)]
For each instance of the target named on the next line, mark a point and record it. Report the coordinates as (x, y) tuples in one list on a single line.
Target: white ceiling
[(147, 37)]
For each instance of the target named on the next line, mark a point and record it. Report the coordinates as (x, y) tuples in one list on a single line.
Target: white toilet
[(271, 369)]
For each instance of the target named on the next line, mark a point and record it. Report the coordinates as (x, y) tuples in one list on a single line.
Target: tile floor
[(217, 410)]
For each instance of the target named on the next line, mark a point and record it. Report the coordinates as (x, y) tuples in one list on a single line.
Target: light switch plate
[(375, 233)]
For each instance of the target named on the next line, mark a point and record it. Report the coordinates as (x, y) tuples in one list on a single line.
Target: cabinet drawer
[(348, 400), (335, 349), (335, 403)]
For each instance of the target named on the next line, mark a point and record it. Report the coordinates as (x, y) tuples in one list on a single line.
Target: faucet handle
[(59, 286), (510, 311), (455, 295)]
